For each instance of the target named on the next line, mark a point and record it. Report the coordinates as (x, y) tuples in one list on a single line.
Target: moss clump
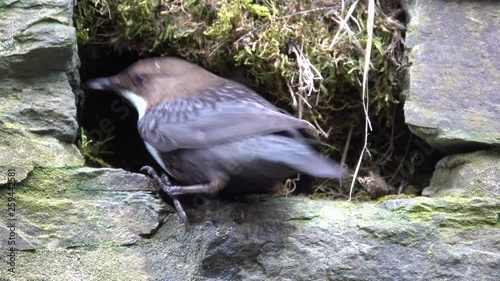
[(93, 152), (305, 55)]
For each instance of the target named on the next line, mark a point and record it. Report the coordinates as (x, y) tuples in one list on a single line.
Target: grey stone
[(40, 105), (447, 238), (38, 69), (67, 208), (468, 175), (35, 40), (453, 78), (22, 151)]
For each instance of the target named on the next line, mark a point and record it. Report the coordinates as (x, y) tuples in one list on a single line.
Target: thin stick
[(346, 147), (366, 100)]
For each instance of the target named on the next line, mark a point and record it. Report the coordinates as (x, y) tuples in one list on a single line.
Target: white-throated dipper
[(206, 131)]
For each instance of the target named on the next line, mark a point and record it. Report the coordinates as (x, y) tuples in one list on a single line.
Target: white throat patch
[(138, 102), (156, 155)]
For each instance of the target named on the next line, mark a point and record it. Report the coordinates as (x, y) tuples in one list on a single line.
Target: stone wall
[(79, 223)]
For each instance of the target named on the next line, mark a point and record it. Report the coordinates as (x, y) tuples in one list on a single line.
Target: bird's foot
[(170, 189), (152, 173)]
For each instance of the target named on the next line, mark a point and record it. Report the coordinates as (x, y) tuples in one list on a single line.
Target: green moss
[(453, 212), (52, 190), (253, 35), (66, 263), (38, 193)]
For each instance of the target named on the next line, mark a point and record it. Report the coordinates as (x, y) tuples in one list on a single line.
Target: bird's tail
[(312, 163), (303, 158)]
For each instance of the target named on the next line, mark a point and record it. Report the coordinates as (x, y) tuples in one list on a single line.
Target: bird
[(206, 131)]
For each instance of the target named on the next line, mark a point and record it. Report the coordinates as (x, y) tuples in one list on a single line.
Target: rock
[(35, 40), (454, 73), (67, 208), (37, 125), (468, 175), (38, 67), (17, 240), (266, 238)]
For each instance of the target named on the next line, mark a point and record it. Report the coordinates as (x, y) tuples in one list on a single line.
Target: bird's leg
[(211, 188), (174, 191), (165, 185)]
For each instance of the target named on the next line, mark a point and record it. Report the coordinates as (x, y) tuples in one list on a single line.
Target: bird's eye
[(141, 77)]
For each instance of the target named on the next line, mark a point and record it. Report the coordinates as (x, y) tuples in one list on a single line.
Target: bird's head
[(154, 81)]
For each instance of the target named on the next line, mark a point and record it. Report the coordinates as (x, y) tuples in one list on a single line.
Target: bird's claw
[(151, 172), (166, 186), (148, 169)]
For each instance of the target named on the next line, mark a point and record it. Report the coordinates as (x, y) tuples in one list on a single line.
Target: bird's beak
[(103, 84)]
